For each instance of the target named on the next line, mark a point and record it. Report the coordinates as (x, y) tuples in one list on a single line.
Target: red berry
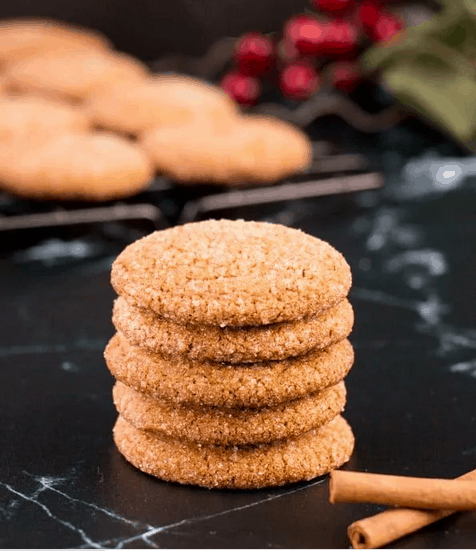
[(254, 54), (344, 76), (306, 33), (386, 28), (340, 39), (298, 81), (368, 14), (333, 7), (244, 89)]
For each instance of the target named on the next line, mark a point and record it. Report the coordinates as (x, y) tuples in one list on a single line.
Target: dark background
[(411, 393), (150, 28)]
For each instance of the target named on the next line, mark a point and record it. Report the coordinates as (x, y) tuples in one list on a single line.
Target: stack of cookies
[(230, 354)]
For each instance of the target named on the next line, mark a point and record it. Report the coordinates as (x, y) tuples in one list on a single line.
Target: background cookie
[(227, 385), (228, 344), (162, 101), (23, 37), (94, 166), (253, 149), (31, 118), (229, 426), (232, 273), (302, 458), (74, 73)]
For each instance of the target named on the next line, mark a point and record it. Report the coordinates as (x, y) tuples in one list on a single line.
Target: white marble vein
[(386, 228), (48, 483), (145, 531), (465, 367), (170, 527), (34, 499), (381, 297), (390, 247), (431, 260), (80, 344), (52, 250)]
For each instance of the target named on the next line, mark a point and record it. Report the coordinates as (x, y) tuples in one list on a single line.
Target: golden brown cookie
[(221, 426), (304, 457), (277, 341), (227, 385), (162, 101), (23, 37), (255, 149), (31, 118), (75, 166), (74, 73), (237, 273)]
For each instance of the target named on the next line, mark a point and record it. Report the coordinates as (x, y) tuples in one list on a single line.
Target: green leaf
[(442, 96)]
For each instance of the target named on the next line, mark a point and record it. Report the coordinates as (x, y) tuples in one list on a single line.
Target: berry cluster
[(312, 48)]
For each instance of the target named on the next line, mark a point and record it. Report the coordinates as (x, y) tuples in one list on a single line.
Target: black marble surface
[(411, 393)]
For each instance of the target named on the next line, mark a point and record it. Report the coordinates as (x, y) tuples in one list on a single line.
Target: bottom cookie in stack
[(303, 457)]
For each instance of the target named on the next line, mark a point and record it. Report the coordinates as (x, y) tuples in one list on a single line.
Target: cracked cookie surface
[(232, 273), (276, 341), (237, 426), (305, 457), (227, 385)]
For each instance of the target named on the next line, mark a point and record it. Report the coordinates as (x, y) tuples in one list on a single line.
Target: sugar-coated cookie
[(227, 385), (236, 426), (74, 73), (30, 118), (276, 341), (162, 102), (304, 457), (94, 166), (237, 273), (255, 149), (23, 37)]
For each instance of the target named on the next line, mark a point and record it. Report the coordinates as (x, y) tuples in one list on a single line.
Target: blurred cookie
[(95, 166), (255, 149), (252, 385), (237, 273), (237, 426), (276, 341), (74, 73), (304, 457), (162, 101), (23, 37), (32, 118)]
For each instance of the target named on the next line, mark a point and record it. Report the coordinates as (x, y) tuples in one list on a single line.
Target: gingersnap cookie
[(304, 457), (74, 74), (95, 166), (236, 426), (24, 37), (161, 101), (251, 385), (31, 118), (254, 149), (237, 273), (276, 341)]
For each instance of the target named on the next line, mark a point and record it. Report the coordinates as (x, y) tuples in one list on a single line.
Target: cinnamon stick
[(417, 493), (379, 530)]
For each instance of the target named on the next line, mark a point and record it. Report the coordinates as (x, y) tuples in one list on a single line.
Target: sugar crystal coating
[(258, 384), (304, 457), (232, 426), (231, 273), (277, 341)]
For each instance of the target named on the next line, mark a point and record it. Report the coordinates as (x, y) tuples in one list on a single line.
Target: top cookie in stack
[(230, 352)]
